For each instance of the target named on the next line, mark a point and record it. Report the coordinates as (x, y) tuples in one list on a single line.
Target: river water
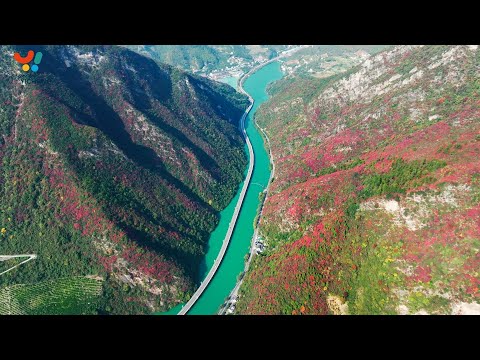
[(234, 260)]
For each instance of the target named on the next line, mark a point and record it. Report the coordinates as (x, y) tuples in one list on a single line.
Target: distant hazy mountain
[(206, 58), (114, 168), (326, 60), (226, 60)]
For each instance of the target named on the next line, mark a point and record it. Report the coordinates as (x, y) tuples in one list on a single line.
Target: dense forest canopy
[(114, 168)]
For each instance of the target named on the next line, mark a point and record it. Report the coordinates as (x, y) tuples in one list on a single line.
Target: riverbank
[(233, 222), (229, 304), (233, 263)]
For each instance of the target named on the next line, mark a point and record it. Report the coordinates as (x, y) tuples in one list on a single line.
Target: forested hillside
[(113, 170), (375, 203)]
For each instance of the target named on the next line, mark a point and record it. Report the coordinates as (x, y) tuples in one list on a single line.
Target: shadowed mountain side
[(113, 173), (109, 122)]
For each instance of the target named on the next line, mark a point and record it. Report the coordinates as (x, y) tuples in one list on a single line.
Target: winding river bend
[(233, 262)]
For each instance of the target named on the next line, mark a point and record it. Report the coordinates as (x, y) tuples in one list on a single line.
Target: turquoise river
[(233, 262)]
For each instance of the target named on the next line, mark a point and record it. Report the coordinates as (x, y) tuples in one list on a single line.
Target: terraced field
[(72, 295)]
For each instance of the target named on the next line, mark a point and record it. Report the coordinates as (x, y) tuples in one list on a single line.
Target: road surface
[(8, 257), (238, 207), (233, 221), (234, 293)]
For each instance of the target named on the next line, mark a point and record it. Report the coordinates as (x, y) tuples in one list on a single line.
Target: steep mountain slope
[(375, 204), (114, 168)]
